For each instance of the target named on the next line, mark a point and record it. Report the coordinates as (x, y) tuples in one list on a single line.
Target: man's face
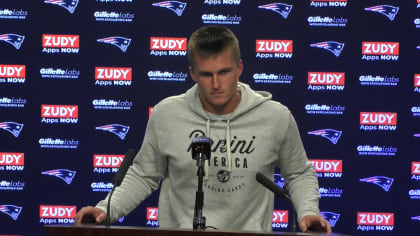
[(217, 78)]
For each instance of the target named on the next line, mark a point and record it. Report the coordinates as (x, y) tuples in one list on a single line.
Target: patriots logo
[(12, 127), (382, 181), (330, 134), (66, 175), (386, 10), (279, 180), (121, 219), (120, 42), (415, 218), (13, 39), (70, 5), (117, 129), (331, 217), (282, 9), (334, 47), (11, 210), (175, 6)]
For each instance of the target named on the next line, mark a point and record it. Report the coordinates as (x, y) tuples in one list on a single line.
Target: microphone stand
[(199, 221)]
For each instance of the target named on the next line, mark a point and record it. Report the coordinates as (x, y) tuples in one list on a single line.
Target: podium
[(100, 230)]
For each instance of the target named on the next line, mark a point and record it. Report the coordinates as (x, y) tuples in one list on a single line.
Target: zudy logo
[(12, 161), (415, 170), (152, 216), (375, 221), (280, 219), (267, 48), (53, 214), (377, 51), (328, 168), (113, 76), (60, 43), (332, 81), (63, 114), (13, 74), (166, 46), (328, 3), (383, 121)]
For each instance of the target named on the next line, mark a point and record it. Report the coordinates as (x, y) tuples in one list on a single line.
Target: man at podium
[(250, 134)]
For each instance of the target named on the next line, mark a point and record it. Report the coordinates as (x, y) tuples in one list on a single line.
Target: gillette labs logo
[(12, 102), (222, 2), (380, 51), (415, 170), (63, 114), (375, 221), (221, 19), (272, 78), (13, 14), (330, 192), (101, 186), (59, 43), (415, 111), (58, 143), (113, 76), (328, 3), (106, 163), (10, 161), (12, 74), (414, 193), (319, 81), (104, 16), (417, 83), (368, 150), (53, 214), (6, 185), (111, 104), (383, 121), (59, 73), (326, 21), (280, 219), (327, 168), (167, 76), (316, 109), (152, 214), (378, 80), (282, 49), (163, 46)]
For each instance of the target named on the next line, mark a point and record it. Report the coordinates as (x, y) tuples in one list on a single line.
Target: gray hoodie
[(262, 134)]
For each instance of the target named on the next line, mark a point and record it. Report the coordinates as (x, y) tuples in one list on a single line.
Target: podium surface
[(100, 230)]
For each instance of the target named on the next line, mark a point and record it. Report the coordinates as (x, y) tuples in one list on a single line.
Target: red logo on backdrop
[(58, 212), (378, 118), (59, 111), (168, 44), (380, 48), (152, 213), (274, 46), (107, 161), (417, 80), (150, 111), (12, 71), (113, 73), (12, 159), (375, 218), (327, 165), (415, 166), (280, 216), (60, 41), (326, 78)]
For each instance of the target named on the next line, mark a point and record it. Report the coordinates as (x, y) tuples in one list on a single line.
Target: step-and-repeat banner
[(79, 78)]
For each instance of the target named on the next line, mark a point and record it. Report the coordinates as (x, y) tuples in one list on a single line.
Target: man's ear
[(192, 73)]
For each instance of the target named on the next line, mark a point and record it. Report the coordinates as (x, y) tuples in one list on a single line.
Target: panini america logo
[(117, 129), (389, 11), (104, 16), (13, 39), (113, 76), (222, 2), (332, 135), (375, 221), (118, 41), (111, 104), (381, 181), (58, 143), (63, 114), (101, 186), (331, 217), (415, 170), (12, 127), (328, 3), (221, 19), (12, 102), (382, 121), (174, 6), (11, 210), (63, 174), (12, 74), (334, 47), (319, 81), (380, 51), (417, 83), (13, 14), (12, 185), (106, 163), (330, 192), (272, 78), (10, 161), (167, 76), (324, 109), (327, 21), (267, 48), (280, 8), (69, 5), (280, 219), (59, 73), (368, 150), (54, 214), (60, 43), (164, 46), (378, 80), (327, 168)]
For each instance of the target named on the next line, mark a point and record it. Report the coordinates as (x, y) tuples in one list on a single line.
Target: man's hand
[(313, 223), (90, 214)]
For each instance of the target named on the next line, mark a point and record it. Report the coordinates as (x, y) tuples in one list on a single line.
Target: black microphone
[(118, 178), (200, 148)]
